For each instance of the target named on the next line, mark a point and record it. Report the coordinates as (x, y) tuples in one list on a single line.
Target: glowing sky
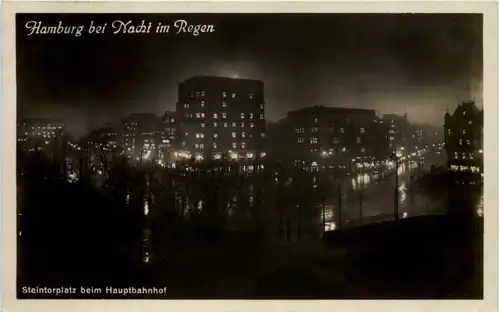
[(414, 63)]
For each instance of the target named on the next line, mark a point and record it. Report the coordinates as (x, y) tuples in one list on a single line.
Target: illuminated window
[(341, 130), (186, 105), (202, 146), (316, 120), (202, 93), (362, 130), (234, 145), (455, 155), (363, 150), (464, 131), (313, 140), (233, 134), (261, 116), (261, 106), (198, 115), (243, 134), (202, 103), (224, 95), (202, 125), (234, 125), (224, 104), (225, 125), (216, 116), (300, 140), (216, 125), (196, 145), (251, 125), (215, 145), (242, 115), (233, 95), (314, 129), (250, 95), (216, 135), (243, 144), (358, 140), (262, 134), (224, 115), (461, 142), (243, 125)]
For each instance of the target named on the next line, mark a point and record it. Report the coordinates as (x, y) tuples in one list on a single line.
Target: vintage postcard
[(277, 154)]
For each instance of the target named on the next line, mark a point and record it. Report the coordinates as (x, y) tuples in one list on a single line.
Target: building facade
[(331, 135), (39, 133), (141, 135), (219, 116), (398, 129), (463, 138)]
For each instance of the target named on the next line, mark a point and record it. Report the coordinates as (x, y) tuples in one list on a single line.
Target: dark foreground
[(418, 258)]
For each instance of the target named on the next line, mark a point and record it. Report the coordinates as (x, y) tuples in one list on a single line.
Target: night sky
[(421, 64)]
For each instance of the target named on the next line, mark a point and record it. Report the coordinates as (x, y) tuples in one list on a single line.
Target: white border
[(490, 32)]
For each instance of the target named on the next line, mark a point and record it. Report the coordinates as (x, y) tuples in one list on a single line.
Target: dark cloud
[(416, 63)]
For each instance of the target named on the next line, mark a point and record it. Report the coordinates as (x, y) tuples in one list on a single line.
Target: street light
[(396, 191)]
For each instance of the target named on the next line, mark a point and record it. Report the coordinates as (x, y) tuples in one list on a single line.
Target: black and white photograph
[(272, 156)]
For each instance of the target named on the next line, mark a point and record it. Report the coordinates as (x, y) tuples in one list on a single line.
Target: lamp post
[(396, 193)]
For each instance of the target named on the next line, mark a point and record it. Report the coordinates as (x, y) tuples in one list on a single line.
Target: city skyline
[(362, 68)]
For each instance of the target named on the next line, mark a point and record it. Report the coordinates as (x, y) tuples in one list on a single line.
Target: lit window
[(196, 145), (224, 104), (234, 145), (198, 115), (202, 103), (234, 125), (251, 115), (300, 140), (251, 125), (243, 134), (242, 115), (358, 140), (202, 93), (362, 130), (233, 134), (464, 131), (224, 95), (233, 95), (215, 145), (455, 155), (215, 125), (202, 125), (262, 134), (202, 146), (261, 106), (216, 116), (250, 95), (316, 120), (314, 129), (341, 130), (216, 135), (391, 138), (224, 115), (186, 105), (468, 142), (225, 125), (243, 125), (261, 116), (243, 144), (363, 150), (461, 142), (464, 113), (313, 140)]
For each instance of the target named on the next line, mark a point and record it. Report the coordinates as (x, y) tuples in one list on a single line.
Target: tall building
[(221, 116), (398, 128), (168, 136), (463, 137), (141, 135), (331, 134)]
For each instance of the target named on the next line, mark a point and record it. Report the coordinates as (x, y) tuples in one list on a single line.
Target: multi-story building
[(105, 136), (141, 135), (37, 133), (398, 129), (332, 134), (464, 142), (168, 136), (220, 116)]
